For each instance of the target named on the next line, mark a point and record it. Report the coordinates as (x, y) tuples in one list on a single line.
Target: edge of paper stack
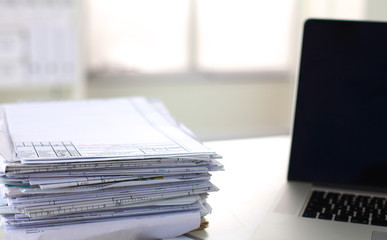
[(136, 161)]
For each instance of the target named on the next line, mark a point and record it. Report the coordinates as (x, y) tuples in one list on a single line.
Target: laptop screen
[(340, 124)]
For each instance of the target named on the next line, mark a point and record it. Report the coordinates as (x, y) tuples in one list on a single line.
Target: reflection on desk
[(255, 170)]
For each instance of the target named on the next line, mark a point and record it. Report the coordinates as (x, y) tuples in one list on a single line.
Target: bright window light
[(185, 36), (139, 36), (244, 35)]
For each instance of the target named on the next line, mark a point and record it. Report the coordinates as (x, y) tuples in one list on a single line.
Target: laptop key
[(379, 221), (310, 214), (317, 194), (361, 220), (325, 216), (333, 198), (347, 197), (341, 218)]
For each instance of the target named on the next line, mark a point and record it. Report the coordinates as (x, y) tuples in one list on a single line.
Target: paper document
[(144, 227), (101, 169), (113, 128)]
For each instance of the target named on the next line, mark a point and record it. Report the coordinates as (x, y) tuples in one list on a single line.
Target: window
[(243, 35), (151, 37), (146, 36)]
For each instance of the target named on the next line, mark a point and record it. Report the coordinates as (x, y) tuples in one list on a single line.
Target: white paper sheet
[(105, 155), (129, 127), (137, 228)]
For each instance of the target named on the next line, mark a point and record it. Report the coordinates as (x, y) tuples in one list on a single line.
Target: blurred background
[(225, 68)]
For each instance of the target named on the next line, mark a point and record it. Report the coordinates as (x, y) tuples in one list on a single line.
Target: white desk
[(255, 170)]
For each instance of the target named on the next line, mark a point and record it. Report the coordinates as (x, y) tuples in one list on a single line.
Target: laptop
[(337, 176)]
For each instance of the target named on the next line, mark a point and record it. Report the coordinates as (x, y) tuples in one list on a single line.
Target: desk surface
[(255, 170)]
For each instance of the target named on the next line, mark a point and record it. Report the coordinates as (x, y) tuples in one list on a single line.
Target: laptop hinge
[(350, 187)]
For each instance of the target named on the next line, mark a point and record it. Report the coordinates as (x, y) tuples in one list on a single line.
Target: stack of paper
[(87, 161)]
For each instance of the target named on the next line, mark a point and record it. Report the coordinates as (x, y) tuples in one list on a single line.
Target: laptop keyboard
[(347, 208)]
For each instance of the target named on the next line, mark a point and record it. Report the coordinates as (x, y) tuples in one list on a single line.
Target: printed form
[(98, 169), (89, 129)]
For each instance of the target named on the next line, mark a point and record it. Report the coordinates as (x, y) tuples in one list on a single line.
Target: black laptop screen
[(340, 124)]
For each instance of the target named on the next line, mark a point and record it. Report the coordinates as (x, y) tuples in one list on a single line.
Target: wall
[(215, 109), (218, 109)]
